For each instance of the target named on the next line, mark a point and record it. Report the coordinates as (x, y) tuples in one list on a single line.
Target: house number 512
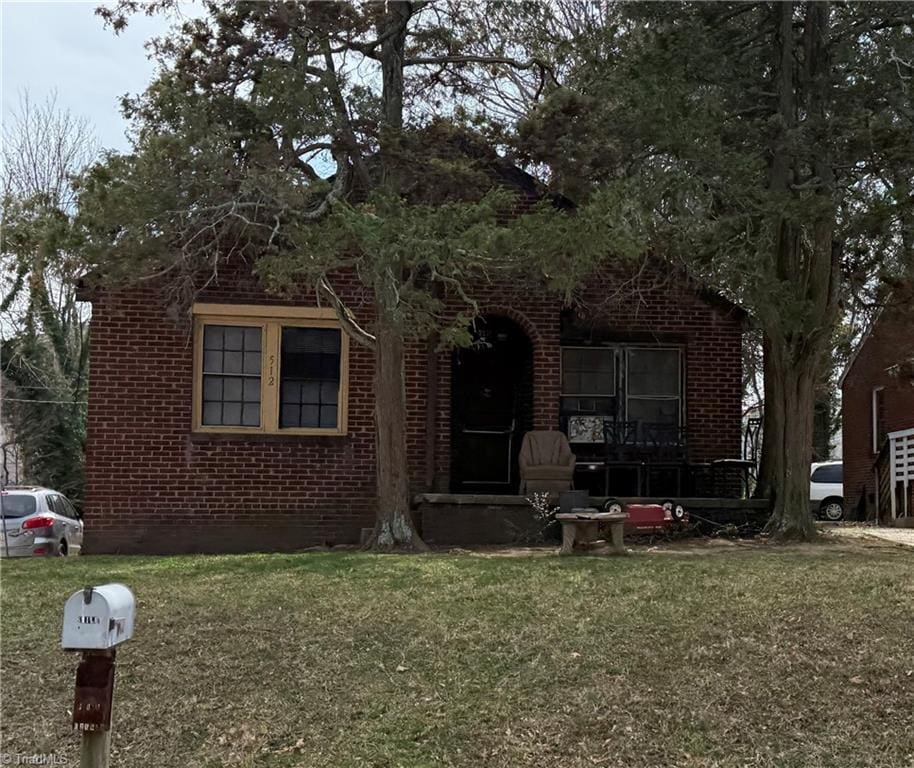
[(272, 378)]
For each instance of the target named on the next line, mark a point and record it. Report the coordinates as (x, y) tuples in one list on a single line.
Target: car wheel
[(676, 511), (832, 509), (62, 550)]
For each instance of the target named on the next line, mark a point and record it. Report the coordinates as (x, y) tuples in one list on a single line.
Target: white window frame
[(874, 417)]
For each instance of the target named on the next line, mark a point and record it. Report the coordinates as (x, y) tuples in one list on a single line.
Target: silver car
[(38, 522)]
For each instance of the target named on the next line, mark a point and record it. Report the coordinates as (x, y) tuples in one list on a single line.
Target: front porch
[(642, 411), (894, 480), (474, 519)]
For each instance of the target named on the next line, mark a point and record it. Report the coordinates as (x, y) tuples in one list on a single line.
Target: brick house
[(252, 427), (877, 395)]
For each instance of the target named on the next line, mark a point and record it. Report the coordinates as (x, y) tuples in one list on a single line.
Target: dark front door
[(492, 407)]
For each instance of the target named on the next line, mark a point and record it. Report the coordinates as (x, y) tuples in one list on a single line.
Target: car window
[(833, 473), (17, 504), (61, 505), (68, 506), (51, 501)]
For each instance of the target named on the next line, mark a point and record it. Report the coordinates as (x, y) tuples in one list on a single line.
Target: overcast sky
[(64, 46)]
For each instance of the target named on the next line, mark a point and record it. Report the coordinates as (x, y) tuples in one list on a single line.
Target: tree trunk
[(783, 257), (394, 527), (789, 401), (806, 270), (771, 463), (392, 84)]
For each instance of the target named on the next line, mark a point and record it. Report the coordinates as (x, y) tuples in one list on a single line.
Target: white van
[(826, 490)]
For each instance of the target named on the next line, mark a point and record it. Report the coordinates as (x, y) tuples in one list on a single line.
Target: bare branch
[(344, 119), (344, 314), (43, 148)]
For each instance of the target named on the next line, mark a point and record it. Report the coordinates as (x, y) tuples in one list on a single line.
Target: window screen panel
[(588, 372), (232, 358), (647, 410), (653, 372), (309, 377)]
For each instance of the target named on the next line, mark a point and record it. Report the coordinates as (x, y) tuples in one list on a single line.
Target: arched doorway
[(491, 406)]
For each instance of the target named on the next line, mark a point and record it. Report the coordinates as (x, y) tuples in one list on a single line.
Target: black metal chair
[(721, 478), (727, 474), (666, 449), (620, 441)]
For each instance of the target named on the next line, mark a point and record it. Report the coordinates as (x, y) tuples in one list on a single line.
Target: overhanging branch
[(347, 319), (470, 59)]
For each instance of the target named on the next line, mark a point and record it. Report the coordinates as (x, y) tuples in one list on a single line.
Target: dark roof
[(900, 298), (443, 140), (716, 299)]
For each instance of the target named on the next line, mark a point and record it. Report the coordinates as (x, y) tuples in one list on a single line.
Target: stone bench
[(583, 525)]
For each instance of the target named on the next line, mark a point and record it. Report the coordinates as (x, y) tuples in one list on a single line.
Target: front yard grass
[(724, 655)]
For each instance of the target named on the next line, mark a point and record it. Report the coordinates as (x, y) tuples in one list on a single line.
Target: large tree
[(304, 137), (45, 344), (770, 147)]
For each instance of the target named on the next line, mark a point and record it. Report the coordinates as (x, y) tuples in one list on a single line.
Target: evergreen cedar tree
[(770, 149)]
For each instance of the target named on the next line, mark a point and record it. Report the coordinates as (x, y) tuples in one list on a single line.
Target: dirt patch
[(844, 540)]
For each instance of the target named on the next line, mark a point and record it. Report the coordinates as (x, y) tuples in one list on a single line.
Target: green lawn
[(723, 655)]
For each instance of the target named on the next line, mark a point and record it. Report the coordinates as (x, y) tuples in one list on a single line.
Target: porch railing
[(894, 476)]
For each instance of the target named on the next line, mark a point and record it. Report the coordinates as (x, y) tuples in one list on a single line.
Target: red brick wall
[(154, 486), (890, 341)]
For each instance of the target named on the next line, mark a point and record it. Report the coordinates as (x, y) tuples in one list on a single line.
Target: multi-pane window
[(653, 386), (310, 377), (231, 375), (281, 370)]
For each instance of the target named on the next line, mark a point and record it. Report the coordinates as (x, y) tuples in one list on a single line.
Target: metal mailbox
[(98, 618)]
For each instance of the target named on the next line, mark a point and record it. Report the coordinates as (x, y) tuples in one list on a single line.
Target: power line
[(52, 402)]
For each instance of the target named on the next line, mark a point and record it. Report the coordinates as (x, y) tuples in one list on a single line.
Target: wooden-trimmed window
[(269, 370)]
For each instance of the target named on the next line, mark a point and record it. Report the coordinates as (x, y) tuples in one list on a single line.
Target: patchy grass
[(748, 656)]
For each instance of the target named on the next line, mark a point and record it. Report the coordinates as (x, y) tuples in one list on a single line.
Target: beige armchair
[(546, 462)]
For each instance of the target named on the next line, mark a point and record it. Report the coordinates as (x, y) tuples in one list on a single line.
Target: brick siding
[(155, 486)]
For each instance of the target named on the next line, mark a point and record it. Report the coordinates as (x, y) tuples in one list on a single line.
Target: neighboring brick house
[(877, 399), (198, 442)]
